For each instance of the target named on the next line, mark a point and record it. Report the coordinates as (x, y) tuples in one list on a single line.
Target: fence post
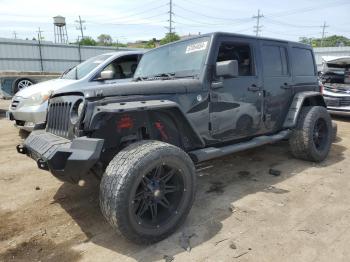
[(40, 55), (79, 51)]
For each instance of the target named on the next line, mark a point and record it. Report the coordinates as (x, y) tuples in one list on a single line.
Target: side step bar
[(204, 154)]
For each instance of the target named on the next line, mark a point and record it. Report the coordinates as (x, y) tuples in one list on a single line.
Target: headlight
[(77, 111), (36, 99)]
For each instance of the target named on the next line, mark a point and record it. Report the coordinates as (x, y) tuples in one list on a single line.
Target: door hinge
[(209, 126)]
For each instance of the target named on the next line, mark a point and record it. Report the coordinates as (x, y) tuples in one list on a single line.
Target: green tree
[(329, 41), (151, 43), (169, 37), (89, 41), (104, 39)]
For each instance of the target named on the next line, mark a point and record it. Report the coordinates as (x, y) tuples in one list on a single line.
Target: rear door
[(236, 102), (277, 83)]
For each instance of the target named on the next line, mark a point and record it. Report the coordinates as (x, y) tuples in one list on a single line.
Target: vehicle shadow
[(221, 183), (2, 113), (341, 118)]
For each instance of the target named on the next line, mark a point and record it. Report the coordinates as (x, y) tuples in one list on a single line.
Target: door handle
[(253, 88), (285, 86), (217, 85)]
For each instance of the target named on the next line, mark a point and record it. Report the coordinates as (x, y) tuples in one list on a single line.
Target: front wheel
[(312, 137), (148, 190), (20, 84)]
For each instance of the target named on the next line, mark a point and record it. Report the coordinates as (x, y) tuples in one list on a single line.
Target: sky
[(131, 20)]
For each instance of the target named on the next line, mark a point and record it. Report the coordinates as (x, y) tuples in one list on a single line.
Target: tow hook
[(42, 164), (21, 149)]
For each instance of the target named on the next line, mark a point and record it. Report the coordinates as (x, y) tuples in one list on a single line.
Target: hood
[(50, 85), (338, 60), (137, 88)]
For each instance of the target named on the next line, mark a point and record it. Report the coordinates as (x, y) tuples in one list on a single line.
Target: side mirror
[(106, 75), (227, 68)]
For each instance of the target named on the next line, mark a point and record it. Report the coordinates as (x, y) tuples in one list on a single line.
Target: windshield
[(179, 59), (85, 68)]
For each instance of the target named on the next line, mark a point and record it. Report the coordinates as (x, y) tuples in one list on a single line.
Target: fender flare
[(142, 110), (307, 98)]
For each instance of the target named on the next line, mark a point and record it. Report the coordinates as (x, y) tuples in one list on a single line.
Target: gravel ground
[(241, 212)]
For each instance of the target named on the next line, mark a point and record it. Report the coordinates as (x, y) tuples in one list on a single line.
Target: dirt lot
[(241, 213)]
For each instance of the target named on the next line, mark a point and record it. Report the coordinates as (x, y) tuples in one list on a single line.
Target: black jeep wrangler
[(190, 101)]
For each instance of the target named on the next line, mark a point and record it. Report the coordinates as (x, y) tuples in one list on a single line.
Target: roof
[(121, 53), (217, 34)]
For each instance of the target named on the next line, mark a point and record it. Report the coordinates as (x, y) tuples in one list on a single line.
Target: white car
[(335, 78), (29, 106)]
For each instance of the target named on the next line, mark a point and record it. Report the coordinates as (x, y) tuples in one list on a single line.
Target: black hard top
[(223, 34)]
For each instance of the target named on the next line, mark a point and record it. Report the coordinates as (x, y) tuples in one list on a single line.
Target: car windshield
[(181, 59), (85, 68)]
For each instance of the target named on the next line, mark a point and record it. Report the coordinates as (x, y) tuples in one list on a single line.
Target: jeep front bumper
[(68, 160)]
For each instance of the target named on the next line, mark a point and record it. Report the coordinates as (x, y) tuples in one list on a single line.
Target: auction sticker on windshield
[(196, 47)]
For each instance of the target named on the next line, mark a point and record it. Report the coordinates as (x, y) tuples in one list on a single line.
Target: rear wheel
[(148, 190), (312, 138)]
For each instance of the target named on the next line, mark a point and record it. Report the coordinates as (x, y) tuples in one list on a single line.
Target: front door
[(236, 102)]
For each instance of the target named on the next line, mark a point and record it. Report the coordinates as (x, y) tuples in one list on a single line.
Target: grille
[(58, 121), (344, 101), (15, 103), (337, 101)]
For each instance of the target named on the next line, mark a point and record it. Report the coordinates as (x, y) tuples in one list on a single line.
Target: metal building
[(27, 55)]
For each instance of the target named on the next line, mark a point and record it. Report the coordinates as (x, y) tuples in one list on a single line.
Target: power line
[(212, 17), (276, 22), (80, 26), (133, 21), (258, 27)]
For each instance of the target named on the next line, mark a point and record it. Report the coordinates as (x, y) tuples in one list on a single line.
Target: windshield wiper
[(140, 78), (169, 75)]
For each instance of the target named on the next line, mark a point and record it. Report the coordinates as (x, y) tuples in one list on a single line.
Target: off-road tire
[(120, 177), (302, 138)]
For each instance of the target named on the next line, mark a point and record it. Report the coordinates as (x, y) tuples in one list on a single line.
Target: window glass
[(84, 68), (274, 60), (303, 63), (284, 61), (123, 67), (182, 58), (240, 52)]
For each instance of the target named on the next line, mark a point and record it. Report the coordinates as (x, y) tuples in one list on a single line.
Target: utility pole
[(15, 34), (40, 53), (171, 13), (80, 26), (323, 32), (40, 37), (258, 26)]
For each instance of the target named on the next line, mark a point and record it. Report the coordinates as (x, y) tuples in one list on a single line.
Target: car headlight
[(77, 111), (36, 99)]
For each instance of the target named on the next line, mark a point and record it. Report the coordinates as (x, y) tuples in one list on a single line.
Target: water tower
[(60, 29)]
